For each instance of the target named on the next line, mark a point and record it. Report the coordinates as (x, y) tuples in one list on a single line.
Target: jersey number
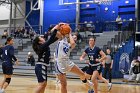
[(66, 49), (91, 58)]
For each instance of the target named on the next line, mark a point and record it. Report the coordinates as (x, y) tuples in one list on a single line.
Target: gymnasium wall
[(55, 13), (34, 16)]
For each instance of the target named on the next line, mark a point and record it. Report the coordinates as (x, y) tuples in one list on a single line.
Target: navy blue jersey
[(8, 54), (93, 54), (45, 49)]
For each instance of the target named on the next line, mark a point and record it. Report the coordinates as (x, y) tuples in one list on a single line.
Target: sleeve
[(98, 49), (86, 50), (51, 40), (11, 52)]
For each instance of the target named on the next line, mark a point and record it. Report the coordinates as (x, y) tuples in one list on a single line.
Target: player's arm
[(11, 52), (72, 42), (103, 56), (55, 35), (83, 56), (52, 39)]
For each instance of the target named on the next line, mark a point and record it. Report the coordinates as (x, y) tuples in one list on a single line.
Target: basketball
[(65, 29)]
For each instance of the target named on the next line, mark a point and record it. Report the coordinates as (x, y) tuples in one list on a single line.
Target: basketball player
[(100, 77), (41, 48), (95, 66), (7, 65), (64, 64)]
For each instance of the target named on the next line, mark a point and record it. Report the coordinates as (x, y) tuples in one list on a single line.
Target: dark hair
[(8, 40), (35, 45), (93, 37)]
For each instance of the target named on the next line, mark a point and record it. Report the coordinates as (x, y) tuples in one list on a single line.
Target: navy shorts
[(41, 72), (91, 69), (7, 69)]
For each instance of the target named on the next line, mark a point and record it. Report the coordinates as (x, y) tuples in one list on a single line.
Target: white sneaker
[(90, 83), (109, 86), (2, 91)]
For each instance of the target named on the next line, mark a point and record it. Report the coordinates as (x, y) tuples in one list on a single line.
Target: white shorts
[(62, 67)]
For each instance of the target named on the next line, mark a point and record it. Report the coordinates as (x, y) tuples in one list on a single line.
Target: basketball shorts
[(41, 72), (7, 69), (91, 69), (61, 67)]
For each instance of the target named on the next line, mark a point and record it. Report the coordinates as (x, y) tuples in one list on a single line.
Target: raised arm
[(72, 42)]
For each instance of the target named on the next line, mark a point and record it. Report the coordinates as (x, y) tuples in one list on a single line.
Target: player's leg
[(62, 78), (41, 73), (41, 87), (5, 83), (7, 71), (100, 77), (94, 80), (75, 69)]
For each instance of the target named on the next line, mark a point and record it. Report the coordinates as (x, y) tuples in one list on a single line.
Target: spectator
[(22, 31), (31, 59), (135, 70), (119, 23), (5, 34), (31, 32), (79, 37)]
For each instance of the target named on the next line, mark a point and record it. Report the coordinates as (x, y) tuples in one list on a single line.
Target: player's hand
[(97, 60), (81, 59), (87, 61), (59, 35), (61, 23), (57, 27), (17, 63)]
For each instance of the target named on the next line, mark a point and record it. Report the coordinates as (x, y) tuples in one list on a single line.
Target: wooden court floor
[(26, 84)]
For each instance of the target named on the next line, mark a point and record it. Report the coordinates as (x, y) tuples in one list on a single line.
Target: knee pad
[(8, 80), (84, 81)]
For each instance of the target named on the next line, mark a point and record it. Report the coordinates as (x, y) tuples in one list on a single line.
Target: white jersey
[(63, 50), (62, 53)]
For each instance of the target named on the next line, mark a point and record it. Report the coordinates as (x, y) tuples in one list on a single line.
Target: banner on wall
[(124, 64)]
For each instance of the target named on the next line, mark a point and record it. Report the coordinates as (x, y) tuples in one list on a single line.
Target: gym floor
[(27, 84)]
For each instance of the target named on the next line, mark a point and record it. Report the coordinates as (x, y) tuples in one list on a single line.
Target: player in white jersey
[(64, 64)]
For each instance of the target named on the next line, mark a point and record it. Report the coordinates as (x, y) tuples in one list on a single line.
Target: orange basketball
[(65, 29)]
